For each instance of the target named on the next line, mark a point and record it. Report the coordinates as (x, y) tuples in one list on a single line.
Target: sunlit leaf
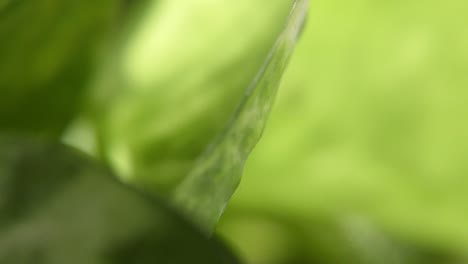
[(175, 80), (206, 191), (370, 123), (56, 206)]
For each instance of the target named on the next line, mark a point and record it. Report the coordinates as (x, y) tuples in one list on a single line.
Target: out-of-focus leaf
[(371, 122), (46, 52), (57, 207), (176, 79), (206, 191), (270, 238)]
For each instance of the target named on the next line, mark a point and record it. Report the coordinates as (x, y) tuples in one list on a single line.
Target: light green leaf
[(371, 123), (176, 79), (206, 191), (56, 206)]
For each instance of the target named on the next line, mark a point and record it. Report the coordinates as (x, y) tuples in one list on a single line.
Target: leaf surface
[(46, 57), (175, 80), (216, 175), (57, 206)]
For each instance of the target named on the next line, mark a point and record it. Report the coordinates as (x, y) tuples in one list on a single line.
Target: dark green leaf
[(57, 207), (46, 52)]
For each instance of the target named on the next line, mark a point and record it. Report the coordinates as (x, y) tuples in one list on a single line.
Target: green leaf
[(57, 206), (46, 52), (371, 123), (175, 80), (206, 191)]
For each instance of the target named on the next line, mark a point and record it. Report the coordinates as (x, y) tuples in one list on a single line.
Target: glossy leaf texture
[(46, 56), (216, 175), (175, 80), (57, 206)]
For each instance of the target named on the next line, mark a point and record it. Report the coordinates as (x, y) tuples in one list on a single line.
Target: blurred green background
[(365, 157)]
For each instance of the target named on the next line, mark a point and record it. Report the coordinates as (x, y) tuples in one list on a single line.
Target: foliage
[(58, 206), (368, 139), (160, 94)]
